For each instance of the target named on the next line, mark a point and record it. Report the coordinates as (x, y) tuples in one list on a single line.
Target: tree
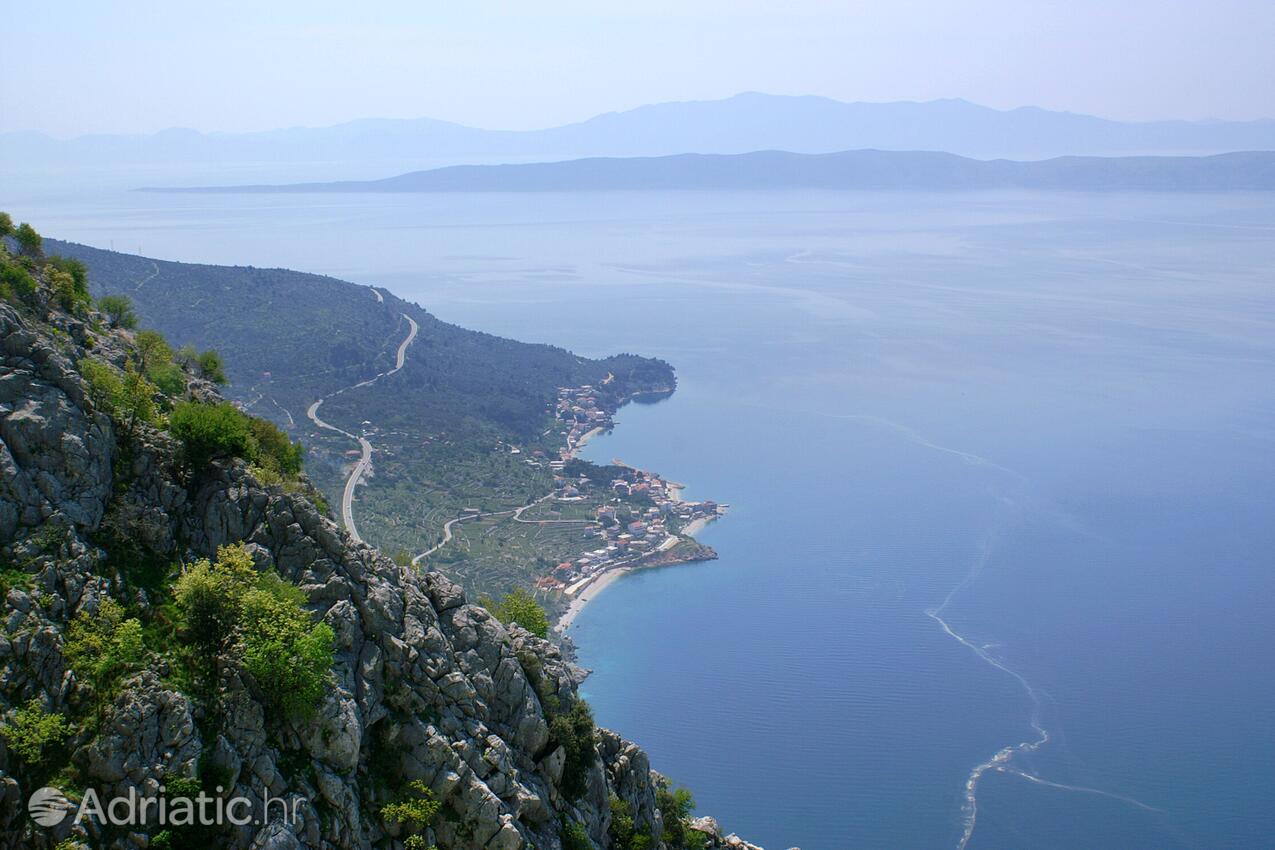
[(416, 810), (574, 731), (78, 271), (128, 397), (676, 806), (136, 402), (210, 597), (32, 730), (6, 225), (212, 367), (29, 242), (273, 450), (210, 431), (153, 349), (156, 356), (104, 383), (519, 606), (64, 290), (105, 647), (287, 654), (259, 620), (118, 310)]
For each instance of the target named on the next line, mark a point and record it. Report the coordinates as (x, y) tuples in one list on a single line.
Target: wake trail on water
[(1001, 760), (1061, 786)]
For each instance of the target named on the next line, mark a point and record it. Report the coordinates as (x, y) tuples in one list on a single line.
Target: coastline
[(663, 555), (599, 584), (605, 579), (584, 440)]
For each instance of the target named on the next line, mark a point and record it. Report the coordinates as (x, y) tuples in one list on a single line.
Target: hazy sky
[(123, 66)]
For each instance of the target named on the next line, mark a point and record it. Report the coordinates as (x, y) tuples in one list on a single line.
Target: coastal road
[(517, 517), (365, 460), (447, 533)]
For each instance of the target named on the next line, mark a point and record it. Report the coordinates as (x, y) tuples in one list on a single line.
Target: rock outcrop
[(425, 686)]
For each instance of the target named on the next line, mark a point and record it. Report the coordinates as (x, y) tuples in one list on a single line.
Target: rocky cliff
[(424, 687)]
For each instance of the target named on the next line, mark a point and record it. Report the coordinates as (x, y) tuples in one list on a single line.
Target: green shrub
[(415, 811), (136, 404), (152, 348), (127, 396), (273, 450), (169, 378), (209, 364), (676, 806), (261, 622), (78, 271), (29, 242), (6, 226), (575, 836), (64, 291), (118, 310), (212, 367), (17, 280), (210, 597), (284, 650), (33, 730), (156, 356), (210, 431), (105, 647), (624, 835), (11, 577), (574, 730), (519, 606), (104, 383)]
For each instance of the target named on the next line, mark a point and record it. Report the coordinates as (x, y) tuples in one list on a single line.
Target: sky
[(70, 67)]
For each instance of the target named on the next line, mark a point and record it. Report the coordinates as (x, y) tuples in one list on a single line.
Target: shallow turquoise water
[(1052, 412)]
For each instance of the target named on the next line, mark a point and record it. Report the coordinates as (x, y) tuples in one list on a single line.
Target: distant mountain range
[(740, 124), (848, 170)]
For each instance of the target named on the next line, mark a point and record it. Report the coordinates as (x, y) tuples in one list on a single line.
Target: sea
[(999, 563)]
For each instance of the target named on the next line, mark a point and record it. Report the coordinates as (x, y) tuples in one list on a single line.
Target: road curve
[(516, 517), (365, 460)]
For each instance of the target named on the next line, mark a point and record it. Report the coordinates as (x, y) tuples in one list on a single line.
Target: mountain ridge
[(844, 170), (748, 121)]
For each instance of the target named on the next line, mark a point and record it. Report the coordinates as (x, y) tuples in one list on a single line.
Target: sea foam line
[(1083, 789), (1000, 761)]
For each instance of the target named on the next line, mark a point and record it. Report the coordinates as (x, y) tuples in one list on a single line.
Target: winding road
[(365, 460), (517, 517)]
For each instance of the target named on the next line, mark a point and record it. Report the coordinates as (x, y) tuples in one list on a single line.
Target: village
[(636, 519)]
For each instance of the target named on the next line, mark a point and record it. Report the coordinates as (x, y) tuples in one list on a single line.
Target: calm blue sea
[(999, 564)]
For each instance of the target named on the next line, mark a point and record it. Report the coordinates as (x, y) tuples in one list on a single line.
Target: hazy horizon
[(146, 67), (495, 128)]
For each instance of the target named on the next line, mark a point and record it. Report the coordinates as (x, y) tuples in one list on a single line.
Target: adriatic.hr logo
[(49, 807)]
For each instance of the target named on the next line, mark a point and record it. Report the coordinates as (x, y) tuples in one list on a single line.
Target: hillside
[(182, 627), (404, 451), (848, 170)]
